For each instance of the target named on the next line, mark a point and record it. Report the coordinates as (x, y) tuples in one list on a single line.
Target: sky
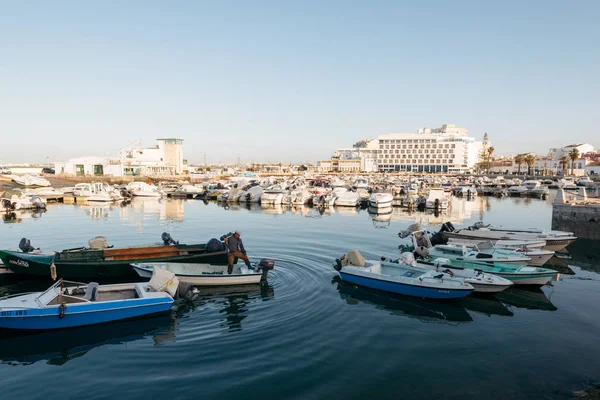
[(281, 81)]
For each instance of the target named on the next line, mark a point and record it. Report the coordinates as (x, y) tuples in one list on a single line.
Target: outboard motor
[(38, 203), (214, 246), (25, 246), (338, 265), (8, 205), (187, 292), (477, 225), (167, 239), (266, 264), (447, 227)]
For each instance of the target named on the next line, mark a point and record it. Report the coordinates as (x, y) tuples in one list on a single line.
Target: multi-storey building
[(445, 149)]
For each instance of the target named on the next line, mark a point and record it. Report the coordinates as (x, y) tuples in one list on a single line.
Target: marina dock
[(577, 213)]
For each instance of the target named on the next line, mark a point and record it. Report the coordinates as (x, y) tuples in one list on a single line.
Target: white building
[(366, 152), (445, 149), (164, 159), (583, 148)]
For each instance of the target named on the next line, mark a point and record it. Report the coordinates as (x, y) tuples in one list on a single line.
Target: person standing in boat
[(236, 249)]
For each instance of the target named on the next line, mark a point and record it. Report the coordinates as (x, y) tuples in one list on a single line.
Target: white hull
[(487, 288), (540, 257), (203, 274), (384, 204), (533, 281), (145, 194)]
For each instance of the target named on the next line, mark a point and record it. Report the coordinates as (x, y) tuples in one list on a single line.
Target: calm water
[(307, 335)]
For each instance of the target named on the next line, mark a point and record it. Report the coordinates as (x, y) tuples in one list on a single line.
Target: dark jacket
[(234, 244)]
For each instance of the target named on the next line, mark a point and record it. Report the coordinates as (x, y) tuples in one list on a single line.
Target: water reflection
[(60, 346), (487, 305), (233, 301), (11, 217), (529, 298), (586, 254), (421, 309)]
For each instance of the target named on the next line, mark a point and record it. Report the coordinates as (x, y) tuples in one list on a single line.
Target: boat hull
[(82, 315), (540, 259), (528, 279), (40, 265), (208, 279), (487, 288), (405, 289)]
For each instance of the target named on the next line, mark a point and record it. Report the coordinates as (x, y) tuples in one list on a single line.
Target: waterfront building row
[(447, 149), (163, 159)]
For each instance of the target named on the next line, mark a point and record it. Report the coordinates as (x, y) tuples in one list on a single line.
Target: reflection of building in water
[(98, 210), (143, 208), (461, 210)]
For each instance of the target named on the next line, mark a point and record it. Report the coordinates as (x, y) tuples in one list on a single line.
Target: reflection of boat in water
[(59, 346), (422, 309), (485, 304), (276, 209), (529, 298), (233, 301), (346, 211), (559, 265), (585, 253), (18, 216)]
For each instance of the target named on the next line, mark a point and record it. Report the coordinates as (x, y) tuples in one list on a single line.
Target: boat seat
[(91, 291)]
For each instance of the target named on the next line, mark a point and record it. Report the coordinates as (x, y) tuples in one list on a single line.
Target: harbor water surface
[(308, 335)]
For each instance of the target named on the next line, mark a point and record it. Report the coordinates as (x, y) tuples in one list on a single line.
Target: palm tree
[(519, 159), (573, 155), (490, 150), (564, 161), (529, 159)]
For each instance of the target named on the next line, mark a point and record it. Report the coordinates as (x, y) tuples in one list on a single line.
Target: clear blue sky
[(284, 80)]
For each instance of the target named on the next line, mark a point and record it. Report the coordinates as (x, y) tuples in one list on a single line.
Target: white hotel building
[(431, 150)]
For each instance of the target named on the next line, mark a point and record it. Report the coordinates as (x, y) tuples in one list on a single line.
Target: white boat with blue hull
[(401, 279), (67, 305)]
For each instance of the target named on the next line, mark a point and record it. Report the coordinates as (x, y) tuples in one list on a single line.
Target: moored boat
[(400, 279), (518, 274), (209, 275), (61, 306), (482, 282), (104, 263)]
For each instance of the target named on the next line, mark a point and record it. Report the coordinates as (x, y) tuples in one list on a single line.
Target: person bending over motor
[(236, 249)]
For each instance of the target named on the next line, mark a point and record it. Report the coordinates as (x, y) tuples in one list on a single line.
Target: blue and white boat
[(70, 304), (403, 279)]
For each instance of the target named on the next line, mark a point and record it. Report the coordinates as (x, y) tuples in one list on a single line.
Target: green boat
[(87, 264), (518, 274)]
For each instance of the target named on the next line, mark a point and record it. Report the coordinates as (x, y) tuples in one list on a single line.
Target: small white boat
[(272, 196), (142, 189), (301, 197), (481, 281), (252, 195), (24, 202), (437, 199), (209, 275), (346, 198), (538, 256), (187, 191), (324, 199), (517, 190), (30, 180), (465, 190), (381, 200)]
